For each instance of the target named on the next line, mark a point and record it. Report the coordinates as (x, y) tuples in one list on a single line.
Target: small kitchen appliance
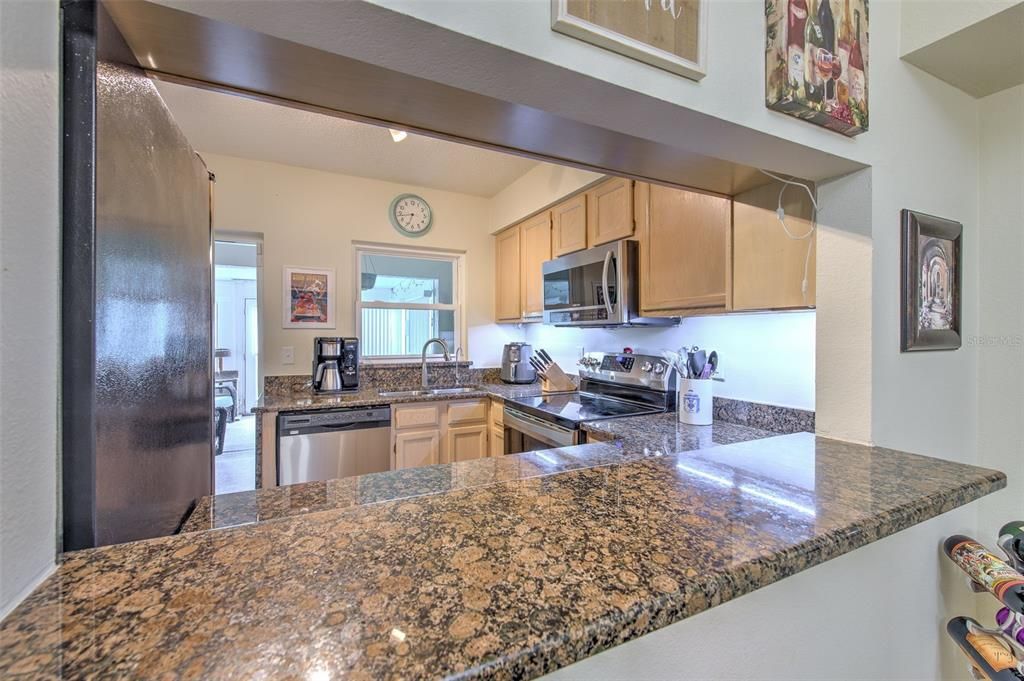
[(335, 364), (612, 385), (515, 364)]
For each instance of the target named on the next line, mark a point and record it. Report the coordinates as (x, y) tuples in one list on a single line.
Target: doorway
[(236, 343)]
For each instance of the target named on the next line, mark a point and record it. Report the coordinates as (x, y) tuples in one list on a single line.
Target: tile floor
[(236, 467)]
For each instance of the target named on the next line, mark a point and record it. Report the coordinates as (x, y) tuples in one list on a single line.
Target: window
[(406, 297)]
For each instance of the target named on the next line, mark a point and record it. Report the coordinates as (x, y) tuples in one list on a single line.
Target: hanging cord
[(780, 213)]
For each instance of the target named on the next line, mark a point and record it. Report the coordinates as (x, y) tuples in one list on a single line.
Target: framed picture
[(308, 298), (669, 34), (816, 62), (931, 275)]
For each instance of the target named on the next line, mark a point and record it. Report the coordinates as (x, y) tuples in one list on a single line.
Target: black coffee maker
[(335, 364)]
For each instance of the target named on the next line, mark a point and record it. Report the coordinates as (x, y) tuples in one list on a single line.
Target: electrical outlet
[(287, 355)]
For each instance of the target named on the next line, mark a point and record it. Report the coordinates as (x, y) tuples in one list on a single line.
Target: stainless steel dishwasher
[(321, 445)]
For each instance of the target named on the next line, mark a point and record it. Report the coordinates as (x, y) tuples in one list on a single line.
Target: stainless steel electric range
[(611, 386)]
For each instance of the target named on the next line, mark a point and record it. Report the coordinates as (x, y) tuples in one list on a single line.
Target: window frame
[(457, 259)]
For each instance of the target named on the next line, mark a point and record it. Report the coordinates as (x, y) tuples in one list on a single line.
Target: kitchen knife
[(545, 356)]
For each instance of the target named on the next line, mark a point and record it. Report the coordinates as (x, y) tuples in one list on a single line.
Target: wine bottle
[(989, 654), (827, 54), (844, 42), (1011, 540), (988, 570), (1012, 625), (795, 45), (858, 91), (813, 41)]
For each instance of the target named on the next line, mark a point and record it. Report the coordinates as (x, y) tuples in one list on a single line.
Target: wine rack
[(995, 653)]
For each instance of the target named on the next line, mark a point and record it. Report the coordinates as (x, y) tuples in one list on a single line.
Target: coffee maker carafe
[(335, 364)]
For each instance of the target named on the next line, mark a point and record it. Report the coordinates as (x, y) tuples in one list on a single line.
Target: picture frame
[(931, 282), (637, 29), (838, 101), (308, 298)]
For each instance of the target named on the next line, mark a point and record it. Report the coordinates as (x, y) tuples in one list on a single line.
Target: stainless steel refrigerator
[(138, 401)]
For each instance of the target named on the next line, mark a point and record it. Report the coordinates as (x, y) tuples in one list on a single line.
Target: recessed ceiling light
[(398, 135)]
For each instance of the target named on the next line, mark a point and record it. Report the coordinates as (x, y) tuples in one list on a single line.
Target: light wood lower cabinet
[(498, 441), (508, 302), (425, 433), (417, 448), (466, 443), (684, 252)]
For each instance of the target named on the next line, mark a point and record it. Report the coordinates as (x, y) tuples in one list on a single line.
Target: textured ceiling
[(237, 126)]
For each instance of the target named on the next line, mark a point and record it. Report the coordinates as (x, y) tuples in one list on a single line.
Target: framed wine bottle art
[(816, 62)]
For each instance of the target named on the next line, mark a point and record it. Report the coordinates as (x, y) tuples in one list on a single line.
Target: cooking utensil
[(545, 356)]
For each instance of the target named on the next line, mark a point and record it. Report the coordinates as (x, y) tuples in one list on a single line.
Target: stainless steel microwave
[(596, 287)]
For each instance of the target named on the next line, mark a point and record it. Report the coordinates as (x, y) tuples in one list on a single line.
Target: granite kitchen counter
[(505, 580), (307, 400), (634, 437)]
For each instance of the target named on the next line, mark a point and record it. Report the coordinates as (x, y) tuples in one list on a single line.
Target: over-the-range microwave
[(596, 287)]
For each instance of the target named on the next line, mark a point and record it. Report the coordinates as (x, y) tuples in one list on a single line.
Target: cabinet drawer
[(417, 416), (497, 412), (467, 411)]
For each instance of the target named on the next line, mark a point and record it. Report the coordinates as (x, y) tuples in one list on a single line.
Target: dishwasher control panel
[(337, 417)]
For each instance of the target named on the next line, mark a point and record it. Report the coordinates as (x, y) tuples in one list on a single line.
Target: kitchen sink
[(433, 391)]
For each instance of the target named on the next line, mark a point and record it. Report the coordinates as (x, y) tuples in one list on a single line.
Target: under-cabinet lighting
[(398, 135)]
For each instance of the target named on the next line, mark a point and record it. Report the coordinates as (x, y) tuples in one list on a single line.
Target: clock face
[(411, 215)]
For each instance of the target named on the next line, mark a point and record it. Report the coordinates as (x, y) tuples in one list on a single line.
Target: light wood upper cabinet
[(569, 226), (508, 303), (535, 248), (768, 266), (610, 211), (466, 443), (684, 251), (417, 448)]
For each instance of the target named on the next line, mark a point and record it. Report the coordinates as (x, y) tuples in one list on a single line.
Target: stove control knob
[(646, 367), (659, 368)]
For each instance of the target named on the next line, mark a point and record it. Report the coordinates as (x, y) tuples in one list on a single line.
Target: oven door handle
[(604, 283), (538, 429)]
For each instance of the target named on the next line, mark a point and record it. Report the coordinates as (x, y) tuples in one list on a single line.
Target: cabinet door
[(684, 259), (498, 441), (417, 448), (507, 263), (569, 225), (535, 242), (610, 211), (768, 266), (467, 442)]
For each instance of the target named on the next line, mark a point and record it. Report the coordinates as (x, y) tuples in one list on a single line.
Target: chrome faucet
[(423, 357)]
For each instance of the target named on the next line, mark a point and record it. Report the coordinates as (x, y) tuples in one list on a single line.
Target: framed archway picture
[(930, 312)]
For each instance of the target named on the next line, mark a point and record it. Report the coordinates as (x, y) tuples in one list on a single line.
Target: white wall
[(29, 304), (926, 21), (1000, 338), (309, 218), (768, 357), (541, 186)]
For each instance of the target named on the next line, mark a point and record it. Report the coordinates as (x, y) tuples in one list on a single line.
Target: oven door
[(526, 433), (583, 289)]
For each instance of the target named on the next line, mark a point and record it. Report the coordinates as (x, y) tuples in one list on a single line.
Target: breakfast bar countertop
[(509, 579)]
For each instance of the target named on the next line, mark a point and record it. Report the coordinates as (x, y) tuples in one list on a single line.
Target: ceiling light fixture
[(398, 135)]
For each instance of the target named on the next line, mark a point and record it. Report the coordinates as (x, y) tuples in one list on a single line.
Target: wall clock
[(411, 215)]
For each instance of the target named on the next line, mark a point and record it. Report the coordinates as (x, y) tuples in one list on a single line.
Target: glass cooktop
[(576, 408)]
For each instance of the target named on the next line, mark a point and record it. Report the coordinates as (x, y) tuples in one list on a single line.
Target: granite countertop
[(510, 579), (635, 437), (303, 401)]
